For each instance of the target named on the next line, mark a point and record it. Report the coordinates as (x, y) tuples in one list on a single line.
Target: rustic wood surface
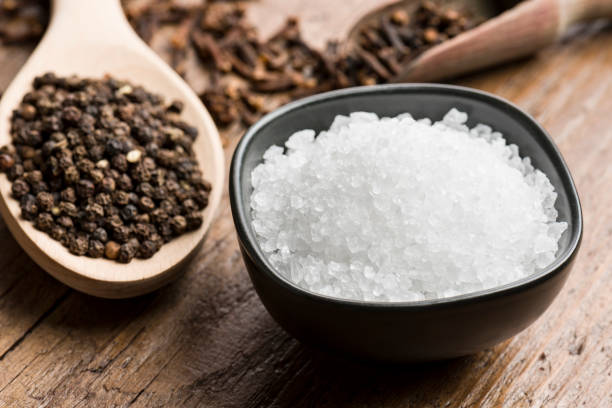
[(206, 340)]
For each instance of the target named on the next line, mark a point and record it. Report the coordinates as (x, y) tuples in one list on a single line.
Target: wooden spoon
[(93, 38), (509, 33)]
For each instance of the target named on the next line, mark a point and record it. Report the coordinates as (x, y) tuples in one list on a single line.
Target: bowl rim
[(251, 249)]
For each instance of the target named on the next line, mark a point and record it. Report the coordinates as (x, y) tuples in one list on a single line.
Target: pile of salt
[(397, 209)]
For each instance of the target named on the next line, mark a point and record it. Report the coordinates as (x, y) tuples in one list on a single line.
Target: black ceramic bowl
[(405, 331)]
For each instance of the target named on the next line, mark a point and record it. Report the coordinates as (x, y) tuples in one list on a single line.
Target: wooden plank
[(206, 340)]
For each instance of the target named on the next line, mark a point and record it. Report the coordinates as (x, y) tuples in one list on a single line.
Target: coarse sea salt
[(397, 209)]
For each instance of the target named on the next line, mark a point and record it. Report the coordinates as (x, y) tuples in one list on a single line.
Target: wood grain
[(206, 340)]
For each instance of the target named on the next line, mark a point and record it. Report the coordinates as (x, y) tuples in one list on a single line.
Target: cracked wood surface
[(206, 340)]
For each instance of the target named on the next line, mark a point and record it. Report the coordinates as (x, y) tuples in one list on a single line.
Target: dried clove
[(227, 45)]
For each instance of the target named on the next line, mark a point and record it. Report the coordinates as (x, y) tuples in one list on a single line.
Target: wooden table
[(206, 340)]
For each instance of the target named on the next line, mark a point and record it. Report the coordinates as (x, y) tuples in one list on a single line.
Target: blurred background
[(206, 340), (245, 58)]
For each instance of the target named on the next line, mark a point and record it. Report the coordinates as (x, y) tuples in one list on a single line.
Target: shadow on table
[(329, 381)]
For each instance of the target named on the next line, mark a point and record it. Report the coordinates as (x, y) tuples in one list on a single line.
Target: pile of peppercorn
[(104, 167)]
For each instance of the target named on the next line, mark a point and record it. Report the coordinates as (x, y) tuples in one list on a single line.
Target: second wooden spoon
[(516, 32)]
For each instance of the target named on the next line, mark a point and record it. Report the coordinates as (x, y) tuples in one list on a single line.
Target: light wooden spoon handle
[(77, 21)]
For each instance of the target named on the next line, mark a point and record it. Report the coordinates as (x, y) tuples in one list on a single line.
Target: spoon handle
[(573, 11), (78, 21)]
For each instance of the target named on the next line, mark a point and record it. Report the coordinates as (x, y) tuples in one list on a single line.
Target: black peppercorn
[(175, 106), (68, 195), (44, 201), (124, 182), (112, 222), (194, 221), (79, 152), (39, 186), (96, 153), (142, 218), (119, 162), (85, 188), (65, 222), (71, 175), (160, 193), (165, 230), (171, 181), (96, 176), (133, 198), (29, 208), (28, 165), (94, 212), (146, 189), (146, 204), (159, 216), (85, 166), (129, 212), (57, 232), (201, 197), (178, 224), (44, 221), (103, 199), (88, 226), (142, 230), (20, 188), (108, 184), (112, 211), (100, 234), (68, 208), (64, 158), (114, 147), (128, 251), (96, 248), (121, 233), (71, 114), (147, 249), (141, 173), (189, 206), (78, 244), (34, 176), (15, 172), (26, 152), (121, 197), (182, 194), (168, 207)]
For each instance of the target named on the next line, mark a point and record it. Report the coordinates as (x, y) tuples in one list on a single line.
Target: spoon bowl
[(405, 331), (91, 39)]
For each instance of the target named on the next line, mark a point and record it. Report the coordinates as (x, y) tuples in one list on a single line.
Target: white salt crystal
[(339, 122), (395, 209), (300, 139), (272, 152), (357, 117)]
